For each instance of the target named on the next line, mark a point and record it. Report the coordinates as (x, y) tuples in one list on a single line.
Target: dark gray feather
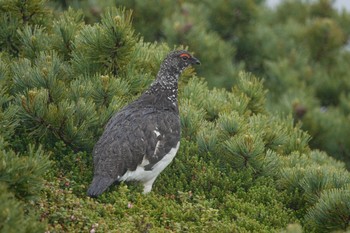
[(148, 128)]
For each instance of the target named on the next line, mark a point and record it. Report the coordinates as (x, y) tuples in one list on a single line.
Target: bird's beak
[(195, 61)]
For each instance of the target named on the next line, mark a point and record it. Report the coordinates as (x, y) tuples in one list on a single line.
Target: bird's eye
[(185, 56)]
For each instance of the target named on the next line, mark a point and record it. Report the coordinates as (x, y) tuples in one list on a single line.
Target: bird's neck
[(165, 86)]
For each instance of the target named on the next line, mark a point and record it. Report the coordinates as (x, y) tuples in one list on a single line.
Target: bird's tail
[(98, 185)]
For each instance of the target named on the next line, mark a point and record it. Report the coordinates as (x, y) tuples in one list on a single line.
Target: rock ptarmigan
[(141, 140)]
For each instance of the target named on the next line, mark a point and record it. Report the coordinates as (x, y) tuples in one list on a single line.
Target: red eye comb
[(184, 55)]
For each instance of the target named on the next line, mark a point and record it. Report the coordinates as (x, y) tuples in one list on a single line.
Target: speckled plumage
[(141, 140)]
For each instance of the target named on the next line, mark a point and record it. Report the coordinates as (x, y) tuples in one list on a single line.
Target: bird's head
[(172, 67), (179, 60)]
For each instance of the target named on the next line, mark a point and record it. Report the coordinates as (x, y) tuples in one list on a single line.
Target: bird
[(141, 139)]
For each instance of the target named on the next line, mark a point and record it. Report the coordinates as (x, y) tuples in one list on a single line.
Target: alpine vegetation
[(86, 95)]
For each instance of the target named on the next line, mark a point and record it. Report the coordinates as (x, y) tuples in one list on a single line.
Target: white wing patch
[(157, 148), (156, 132), (148, 177)]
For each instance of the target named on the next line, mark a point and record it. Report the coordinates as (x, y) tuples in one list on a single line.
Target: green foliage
[(132, 212), (14, 217), (23, 173), (7, 115), (235, 21), (91, 78), (186, 23), (335, 204), (293, 228), (246, 151), (244, 164), (172, 211), (15, 16), (21, 179), (311, 78), (114, 40), (327, 32), (65, 29), (299, 48), (147, 18), (311, 176), (254, 90)]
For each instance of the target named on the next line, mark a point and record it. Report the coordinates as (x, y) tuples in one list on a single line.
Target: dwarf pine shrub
[(240, 167)]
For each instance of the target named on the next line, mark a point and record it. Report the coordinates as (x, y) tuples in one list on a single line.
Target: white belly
[(140, 174)]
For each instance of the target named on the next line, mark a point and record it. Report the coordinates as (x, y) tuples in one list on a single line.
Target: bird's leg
[(147, 186)]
